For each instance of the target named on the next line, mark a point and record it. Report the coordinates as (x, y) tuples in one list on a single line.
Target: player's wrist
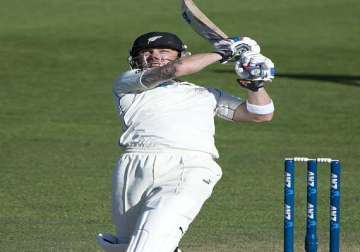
[(260, 109), (259, 89), (253, 86), (224, 57), (219, 55)]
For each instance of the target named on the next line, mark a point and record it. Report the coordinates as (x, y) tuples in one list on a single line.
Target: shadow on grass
[(349, 80)]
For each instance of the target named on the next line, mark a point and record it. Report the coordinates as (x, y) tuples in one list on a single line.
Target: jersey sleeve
[(226, 104), (129, 82)]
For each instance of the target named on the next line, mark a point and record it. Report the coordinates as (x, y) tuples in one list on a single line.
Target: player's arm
[(224, 51), (137, 80), (255, 71), (177, 68), (257, 108)]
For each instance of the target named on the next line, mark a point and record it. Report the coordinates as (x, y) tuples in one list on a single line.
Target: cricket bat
[(204, 26), (200, 22)]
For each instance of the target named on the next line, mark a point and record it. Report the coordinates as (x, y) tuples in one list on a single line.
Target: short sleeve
[(129, 82), (226, 103)]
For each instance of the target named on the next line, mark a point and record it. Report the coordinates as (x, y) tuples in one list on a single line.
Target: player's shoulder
[(128, 81), (129, 74)]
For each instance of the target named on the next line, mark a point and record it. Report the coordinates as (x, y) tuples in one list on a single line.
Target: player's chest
[(172, 97)]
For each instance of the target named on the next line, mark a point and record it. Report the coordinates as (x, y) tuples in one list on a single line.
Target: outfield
[(59, 130)]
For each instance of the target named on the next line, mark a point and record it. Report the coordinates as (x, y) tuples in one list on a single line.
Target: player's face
[(157, 57)]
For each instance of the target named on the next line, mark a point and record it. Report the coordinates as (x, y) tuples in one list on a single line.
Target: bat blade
[(200, 23)]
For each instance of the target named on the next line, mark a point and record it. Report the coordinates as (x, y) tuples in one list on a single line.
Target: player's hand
[(255, 66), (254, 70), (232, 48)]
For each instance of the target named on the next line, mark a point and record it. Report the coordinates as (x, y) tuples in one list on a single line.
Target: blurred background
[(59, 129)]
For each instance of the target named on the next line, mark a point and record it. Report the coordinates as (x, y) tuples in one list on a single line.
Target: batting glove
[(254, 70), (232, 48)]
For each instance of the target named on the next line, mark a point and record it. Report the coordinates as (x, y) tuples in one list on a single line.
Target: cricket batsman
[(168, 167)]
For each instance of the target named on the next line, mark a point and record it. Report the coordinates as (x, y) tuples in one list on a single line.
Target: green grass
[(58, 127)]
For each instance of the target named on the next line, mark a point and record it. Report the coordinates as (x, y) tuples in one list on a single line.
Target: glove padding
[(254, 70), (232, 48)]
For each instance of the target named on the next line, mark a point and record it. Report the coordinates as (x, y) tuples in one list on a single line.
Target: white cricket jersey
[(174, 114)]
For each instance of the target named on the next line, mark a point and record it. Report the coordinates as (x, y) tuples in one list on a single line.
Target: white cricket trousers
[(157, 194)]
